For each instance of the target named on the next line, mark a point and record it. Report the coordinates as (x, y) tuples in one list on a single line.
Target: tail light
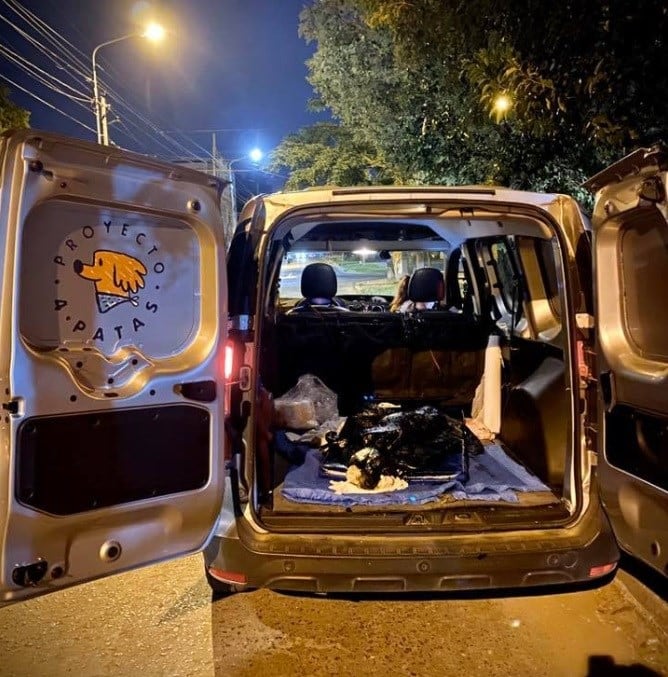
[(228, 367), (602, 570), (228, 576)]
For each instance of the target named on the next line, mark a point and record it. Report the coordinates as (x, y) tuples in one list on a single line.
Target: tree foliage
[(11, 115), (418, 80), (327, 154)]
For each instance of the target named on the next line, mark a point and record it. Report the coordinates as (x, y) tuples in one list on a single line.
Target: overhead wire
[(71, 59), (58, 41), (129, 133), (46, 103), (42, 76), (177, 147), (54, 58)]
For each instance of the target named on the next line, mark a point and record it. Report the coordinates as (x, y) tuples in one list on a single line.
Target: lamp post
[(254, 156), (154, 33)]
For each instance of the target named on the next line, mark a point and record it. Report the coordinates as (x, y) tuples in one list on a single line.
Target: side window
[(462, 280), (241, 275), (545, 251), (644, 271), (506, 276)]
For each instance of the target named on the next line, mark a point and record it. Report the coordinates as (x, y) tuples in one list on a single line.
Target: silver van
[(367, 389)]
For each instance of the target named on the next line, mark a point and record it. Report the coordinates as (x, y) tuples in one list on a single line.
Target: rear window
[(361, 272)]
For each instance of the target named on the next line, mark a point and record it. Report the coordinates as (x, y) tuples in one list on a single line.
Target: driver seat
[(318, 287)]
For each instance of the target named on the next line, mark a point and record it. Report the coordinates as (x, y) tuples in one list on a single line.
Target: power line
[(69, 58), (55, 38), (60, 60), (57, 60), (46, 103), (36, 73), (222, 129)]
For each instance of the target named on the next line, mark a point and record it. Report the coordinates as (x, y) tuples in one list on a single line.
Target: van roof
[(325, 194)]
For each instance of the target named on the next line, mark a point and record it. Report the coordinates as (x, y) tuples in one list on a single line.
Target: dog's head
[(113, 272)]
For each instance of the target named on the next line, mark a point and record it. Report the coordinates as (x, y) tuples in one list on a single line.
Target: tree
[(11, 115), (420, 79), (327, 154)]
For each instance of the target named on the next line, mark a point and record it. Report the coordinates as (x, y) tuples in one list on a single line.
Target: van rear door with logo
[(631, 267), (112, 324)]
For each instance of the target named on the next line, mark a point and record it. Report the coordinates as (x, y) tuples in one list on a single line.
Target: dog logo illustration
[(116, 276)]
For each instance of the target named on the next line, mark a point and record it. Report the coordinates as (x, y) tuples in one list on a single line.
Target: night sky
[(236, 66)]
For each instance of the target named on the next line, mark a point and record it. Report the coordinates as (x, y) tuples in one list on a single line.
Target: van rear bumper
[(413, 563)]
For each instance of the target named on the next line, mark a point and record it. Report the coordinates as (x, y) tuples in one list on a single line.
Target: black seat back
[(426, 285), (318, 286)]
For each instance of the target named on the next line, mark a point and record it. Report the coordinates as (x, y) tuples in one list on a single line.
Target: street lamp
[(501, 105), (154, 33), (255, 155)]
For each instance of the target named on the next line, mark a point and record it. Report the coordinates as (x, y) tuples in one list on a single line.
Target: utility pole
[(104, 107)]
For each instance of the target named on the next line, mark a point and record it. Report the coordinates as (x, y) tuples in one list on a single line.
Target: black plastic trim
[(72, 463)]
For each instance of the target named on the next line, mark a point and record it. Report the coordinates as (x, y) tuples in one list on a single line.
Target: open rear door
[(631, 271), (112, 322)]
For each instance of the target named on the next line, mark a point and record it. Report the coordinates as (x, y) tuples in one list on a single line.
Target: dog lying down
[(358, 478), (378, 447)]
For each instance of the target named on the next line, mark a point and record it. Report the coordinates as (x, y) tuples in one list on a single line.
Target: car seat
[(318, 287), (426, 285)]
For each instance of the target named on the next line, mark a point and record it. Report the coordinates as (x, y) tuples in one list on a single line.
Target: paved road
[(347, 282), (160, 621)]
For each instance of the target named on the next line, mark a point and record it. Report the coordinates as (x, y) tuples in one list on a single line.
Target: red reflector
[(228, 576), (602, 570), (229, 360)]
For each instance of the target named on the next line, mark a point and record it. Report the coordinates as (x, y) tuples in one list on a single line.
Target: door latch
[(199, 391)]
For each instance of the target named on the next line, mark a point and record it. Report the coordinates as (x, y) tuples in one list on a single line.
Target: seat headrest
[(318, 281), (426, 285)]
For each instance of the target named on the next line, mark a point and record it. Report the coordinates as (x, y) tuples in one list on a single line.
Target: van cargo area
[(516, 478), (452, 412)]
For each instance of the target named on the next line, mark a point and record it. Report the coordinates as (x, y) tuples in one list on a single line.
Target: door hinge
[(13, 406), (584, 321)]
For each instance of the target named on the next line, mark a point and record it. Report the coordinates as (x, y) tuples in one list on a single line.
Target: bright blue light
[(255, 155)]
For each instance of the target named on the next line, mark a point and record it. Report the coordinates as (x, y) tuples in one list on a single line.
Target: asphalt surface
[(347, 282), (161, 621)]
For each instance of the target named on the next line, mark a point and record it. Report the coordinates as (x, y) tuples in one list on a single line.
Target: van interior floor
[(521, 502)]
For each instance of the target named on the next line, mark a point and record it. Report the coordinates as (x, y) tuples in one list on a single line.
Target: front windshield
[(358, 273)]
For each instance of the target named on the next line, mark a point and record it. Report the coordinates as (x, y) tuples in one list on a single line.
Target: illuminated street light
[(154, 33), (255, 155), (502, 105)]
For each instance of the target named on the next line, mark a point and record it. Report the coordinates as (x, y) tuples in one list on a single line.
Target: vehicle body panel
[(630, 225), (114, 284)]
